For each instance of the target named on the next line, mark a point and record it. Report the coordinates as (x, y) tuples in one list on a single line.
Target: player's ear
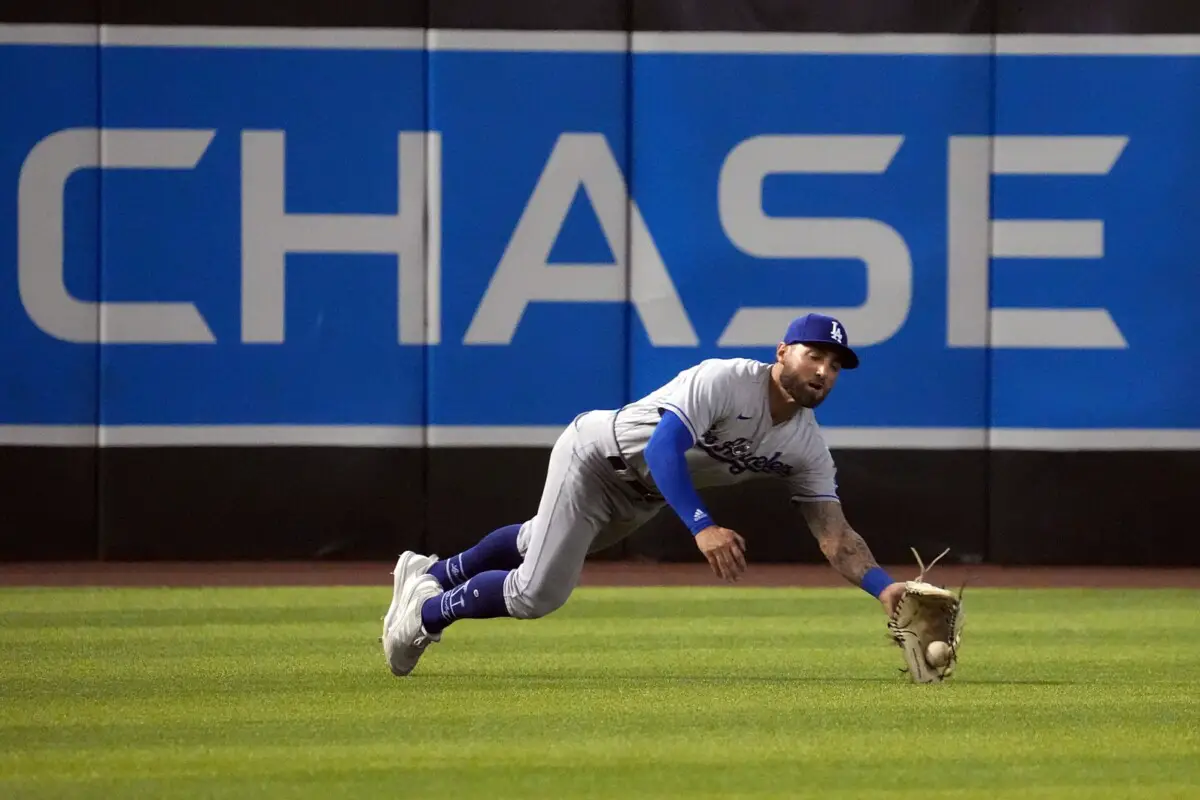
[(780, 352)]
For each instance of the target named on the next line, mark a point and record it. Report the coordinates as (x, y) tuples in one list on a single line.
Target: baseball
[(938, 654)]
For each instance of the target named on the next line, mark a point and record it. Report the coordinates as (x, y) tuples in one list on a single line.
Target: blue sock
[(497, 550), (481, 597)]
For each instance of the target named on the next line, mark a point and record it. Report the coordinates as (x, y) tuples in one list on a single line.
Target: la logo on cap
[(815, 328)]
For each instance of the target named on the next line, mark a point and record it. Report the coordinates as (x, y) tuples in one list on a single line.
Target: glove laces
[(921, 564)]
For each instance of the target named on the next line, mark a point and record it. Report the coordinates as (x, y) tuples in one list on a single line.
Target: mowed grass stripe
[(587, 601), (625, 692)]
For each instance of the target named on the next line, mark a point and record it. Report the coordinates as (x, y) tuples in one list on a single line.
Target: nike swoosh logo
[(741, 417)]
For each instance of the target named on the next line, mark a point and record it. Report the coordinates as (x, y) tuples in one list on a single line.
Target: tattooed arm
[(844, 548)]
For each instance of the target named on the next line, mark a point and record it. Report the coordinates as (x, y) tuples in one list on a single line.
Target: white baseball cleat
[(405, 641), (410, 565)]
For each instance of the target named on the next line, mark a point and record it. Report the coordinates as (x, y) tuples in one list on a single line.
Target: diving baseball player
[(722, 421)]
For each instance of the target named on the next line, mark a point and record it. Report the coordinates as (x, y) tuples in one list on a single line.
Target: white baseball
[(938, 654)]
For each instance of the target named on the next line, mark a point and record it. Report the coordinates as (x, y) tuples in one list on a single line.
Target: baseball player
[(720, 422)]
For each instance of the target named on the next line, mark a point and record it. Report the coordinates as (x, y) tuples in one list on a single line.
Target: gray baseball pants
[(585, 507)]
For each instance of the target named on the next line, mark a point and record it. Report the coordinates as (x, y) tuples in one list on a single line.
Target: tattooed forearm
[(848, 554), (845, 549)]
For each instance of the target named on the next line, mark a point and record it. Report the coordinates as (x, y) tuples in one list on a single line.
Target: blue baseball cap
[(820, 329)]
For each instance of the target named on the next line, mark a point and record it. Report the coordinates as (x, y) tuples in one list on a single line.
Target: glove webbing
[(953, 620)]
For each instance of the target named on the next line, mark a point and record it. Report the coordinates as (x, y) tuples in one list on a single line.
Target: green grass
[(689, 693)]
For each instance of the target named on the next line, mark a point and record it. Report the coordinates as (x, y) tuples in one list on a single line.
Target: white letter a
[(524, 276)]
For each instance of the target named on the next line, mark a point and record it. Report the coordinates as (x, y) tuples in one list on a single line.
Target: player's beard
[(799, 390)]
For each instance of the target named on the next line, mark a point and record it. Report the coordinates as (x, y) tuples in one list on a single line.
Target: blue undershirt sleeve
[(668, 467)]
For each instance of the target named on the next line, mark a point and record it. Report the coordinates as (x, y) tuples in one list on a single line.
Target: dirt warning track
[(599, 573)]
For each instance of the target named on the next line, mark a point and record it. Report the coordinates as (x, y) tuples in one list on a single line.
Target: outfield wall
[(305, 281)]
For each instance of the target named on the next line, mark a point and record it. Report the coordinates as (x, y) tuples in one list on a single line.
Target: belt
[(630, 479)]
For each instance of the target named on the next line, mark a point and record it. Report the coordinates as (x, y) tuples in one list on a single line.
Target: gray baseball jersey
[(587, 506), (724, 404)]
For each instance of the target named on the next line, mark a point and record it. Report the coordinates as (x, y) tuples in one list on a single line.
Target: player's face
[(809, 373)]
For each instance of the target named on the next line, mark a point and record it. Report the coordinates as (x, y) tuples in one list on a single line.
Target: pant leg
[(623, 527), (576, 505)]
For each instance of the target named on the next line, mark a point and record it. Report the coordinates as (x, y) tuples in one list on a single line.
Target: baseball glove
[(925, 615)]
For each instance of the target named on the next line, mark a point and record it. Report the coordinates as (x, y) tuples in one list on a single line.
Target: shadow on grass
[(729, 680), (1019, 682)]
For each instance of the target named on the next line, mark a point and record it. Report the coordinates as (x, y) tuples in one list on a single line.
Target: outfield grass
[(689, 693)]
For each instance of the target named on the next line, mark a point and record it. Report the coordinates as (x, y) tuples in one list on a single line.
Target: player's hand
[(725, 551), (890, 596)]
